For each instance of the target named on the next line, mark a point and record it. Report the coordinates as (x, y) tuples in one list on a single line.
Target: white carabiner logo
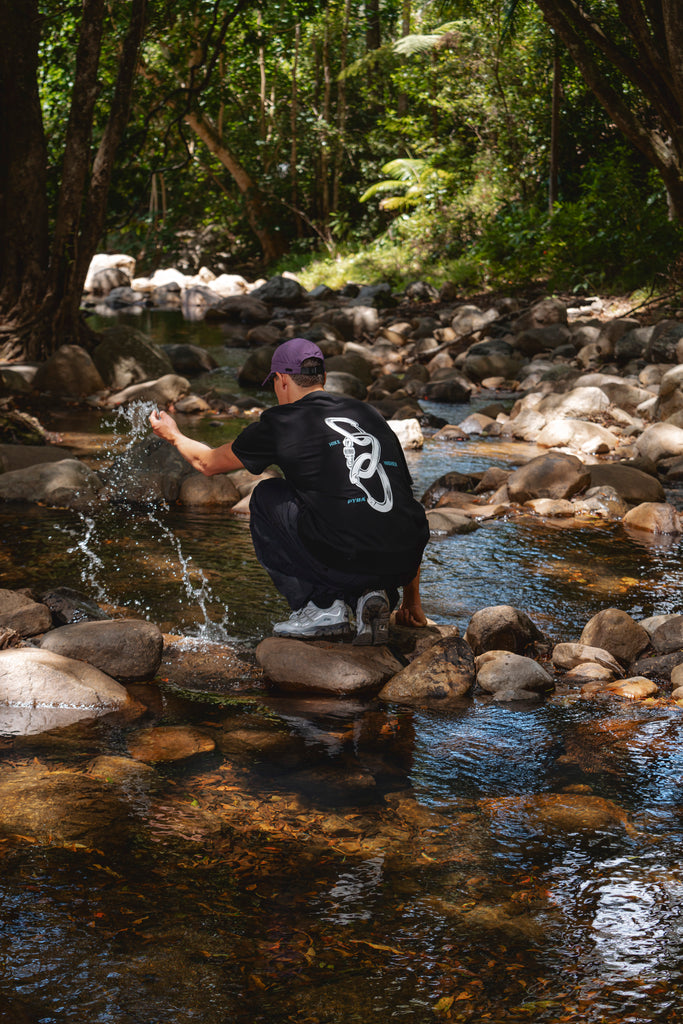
[(366, 465)]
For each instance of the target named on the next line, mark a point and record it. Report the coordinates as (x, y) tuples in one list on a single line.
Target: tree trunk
[(293, 115), (271, 241), (655, 31), (41, 284), (555, 129), (341, 106), (23, 178), (402, 105)]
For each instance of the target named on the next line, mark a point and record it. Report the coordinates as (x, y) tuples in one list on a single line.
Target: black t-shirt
[(357, 508)]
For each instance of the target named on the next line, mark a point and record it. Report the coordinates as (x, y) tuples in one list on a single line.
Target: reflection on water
[(338, 861)]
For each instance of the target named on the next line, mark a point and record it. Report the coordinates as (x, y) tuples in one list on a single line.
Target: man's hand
[(164, 425), (410, 613)]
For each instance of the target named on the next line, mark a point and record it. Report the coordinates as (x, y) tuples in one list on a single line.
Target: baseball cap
[(288, 357)]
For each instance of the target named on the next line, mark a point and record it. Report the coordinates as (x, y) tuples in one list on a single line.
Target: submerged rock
[(60, 807), (168, 743)]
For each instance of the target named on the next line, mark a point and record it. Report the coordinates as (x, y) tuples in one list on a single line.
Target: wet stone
[(322, 667), (59, 807), (169, 743)]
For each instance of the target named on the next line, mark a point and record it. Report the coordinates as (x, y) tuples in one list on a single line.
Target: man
[(342, 527)]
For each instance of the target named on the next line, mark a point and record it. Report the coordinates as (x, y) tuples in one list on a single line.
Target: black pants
[(297, 574)]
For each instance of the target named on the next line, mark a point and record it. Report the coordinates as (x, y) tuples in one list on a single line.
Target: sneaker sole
[(374, 627), (321, 633)]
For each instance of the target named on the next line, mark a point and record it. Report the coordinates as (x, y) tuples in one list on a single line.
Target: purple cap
[(288, 357)]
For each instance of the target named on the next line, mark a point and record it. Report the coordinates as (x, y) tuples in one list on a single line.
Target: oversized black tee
[(357, 510)]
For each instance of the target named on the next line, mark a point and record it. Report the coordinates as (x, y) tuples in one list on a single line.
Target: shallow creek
[(340, 861)]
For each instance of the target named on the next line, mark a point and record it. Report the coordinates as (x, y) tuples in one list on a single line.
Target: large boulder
[(631, 483), (65, 484), (164, 391), (70, 372), (441, 674), (42, 690), (208, 491), (350, 322), (491, 358), (281, 291), (663, 344), (256, 366), (534, 340), (126, 356), (126, 649), (321, 667), (189, 360), (543, 312), (670, 397), (243, 309), (108, 271), (615, 631), (668, 637), (502, 628), (555, 475)]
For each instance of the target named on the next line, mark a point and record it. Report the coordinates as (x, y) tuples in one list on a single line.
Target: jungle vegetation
[(483, 142)]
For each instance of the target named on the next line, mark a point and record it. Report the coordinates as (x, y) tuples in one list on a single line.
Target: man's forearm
[(207, 460)]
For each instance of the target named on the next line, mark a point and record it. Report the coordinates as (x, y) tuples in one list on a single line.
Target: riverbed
[(342, 861)]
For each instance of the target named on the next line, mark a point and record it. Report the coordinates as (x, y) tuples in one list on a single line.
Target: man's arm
[(207, 460), (410, 612)]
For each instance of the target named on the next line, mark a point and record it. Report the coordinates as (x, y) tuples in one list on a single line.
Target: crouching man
[(342, 528)]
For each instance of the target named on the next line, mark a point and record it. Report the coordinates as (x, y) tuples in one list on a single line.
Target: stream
[(341, 861)]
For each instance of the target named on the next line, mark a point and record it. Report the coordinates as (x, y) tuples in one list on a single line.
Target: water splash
[(93, 570), (131, 424)]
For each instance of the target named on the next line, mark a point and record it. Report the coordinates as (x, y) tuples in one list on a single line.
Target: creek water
[(344, 861)]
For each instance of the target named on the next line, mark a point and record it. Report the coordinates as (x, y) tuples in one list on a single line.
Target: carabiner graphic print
[(364, 465)]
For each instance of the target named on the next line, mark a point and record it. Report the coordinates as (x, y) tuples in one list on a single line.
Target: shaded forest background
[(487, 143)]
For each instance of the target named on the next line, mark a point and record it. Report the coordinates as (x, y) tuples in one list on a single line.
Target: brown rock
[(554, 475), (126, 649), (169, 743), (442, 673), (22, 614), (322, 667), (654, 517), (502, 628), (615, 631)]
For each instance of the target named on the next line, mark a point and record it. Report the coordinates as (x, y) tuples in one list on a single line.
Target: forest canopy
[(484, 143)]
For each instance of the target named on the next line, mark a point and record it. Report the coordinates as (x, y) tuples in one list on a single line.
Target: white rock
[(408, 432)]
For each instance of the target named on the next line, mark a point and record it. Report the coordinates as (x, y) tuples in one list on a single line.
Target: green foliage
[(614, 234), (418, 180)]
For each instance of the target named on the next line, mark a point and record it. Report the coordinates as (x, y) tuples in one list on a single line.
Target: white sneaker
[(372, 618), (311, 622)]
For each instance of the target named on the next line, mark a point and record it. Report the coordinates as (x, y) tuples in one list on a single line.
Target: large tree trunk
[(23, 178), (655, 31), (41, 284), (258, 214)]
